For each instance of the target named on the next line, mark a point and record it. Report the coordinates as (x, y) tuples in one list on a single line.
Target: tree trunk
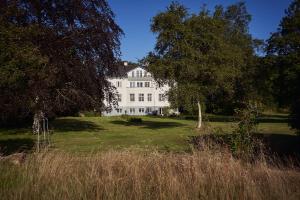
[(199, 115), (37, 119)]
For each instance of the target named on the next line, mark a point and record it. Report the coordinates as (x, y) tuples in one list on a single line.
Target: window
[(132, 110), (141, 97), (132, 84), (119, 97), (132, 73), (119, 84), (139, 73), (119, 110), (147, 84), (148, 110), (139, 84), (132, 97), (141, 110), (149, 97), (161, 97)]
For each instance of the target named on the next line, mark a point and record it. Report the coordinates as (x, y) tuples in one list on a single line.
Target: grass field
[(122, 160), (82, 134)]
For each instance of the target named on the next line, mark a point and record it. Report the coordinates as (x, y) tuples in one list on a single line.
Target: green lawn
[(81, 134)]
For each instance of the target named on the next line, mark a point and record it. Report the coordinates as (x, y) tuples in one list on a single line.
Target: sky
[(134, 17)]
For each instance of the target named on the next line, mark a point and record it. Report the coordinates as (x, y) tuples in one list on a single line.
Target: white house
[(138, 94)]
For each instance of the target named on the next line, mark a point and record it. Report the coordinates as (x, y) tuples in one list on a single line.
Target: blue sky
[(134, 17)]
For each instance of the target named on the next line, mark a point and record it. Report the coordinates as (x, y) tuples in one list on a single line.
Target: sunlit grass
[(82, 134)]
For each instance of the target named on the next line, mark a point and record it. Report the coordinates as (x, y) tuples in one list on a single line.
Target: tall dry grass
[(133, 175)]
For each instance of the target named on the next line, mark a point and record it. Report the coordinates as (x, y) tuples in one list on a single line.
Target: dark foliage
[(284, 55), (55, 55)]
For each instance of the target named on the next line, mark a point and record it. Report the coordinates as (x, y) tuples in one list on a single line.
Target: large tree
[(55, 55), (284, 52), (201, 55)]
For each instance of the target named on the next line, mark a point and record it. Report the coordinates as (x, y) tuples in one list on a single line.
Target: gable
[(138, 72)]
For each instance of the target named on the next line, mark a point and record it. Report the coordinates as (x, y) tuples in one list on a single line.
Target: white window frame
[(132, 84), (148, 110), (147, 84), (139, 73), (132, 110), (140, 84), (141, 97), (141, 110), (130, 97), (149, 97), (119, 110), (119, 84)]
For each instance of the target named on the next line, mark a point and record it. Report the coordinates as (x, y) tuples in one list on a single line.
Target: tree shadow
[(16, 131), (149, 124), (282, 116), (10, 146), (261, 119), (220, 118), (265, 118), (67, 125), (283, 147)]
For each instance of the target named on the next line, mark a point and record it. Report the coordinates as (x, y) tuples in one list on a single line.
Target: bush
[(242, 143), (135, 120), (131, 119)]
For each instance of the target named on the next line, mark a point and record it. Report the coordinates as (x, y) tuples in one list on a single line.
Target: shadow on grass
[(223, 118), (15, 131), (149, 124), (10, 146), (282, 146), (66, 125)]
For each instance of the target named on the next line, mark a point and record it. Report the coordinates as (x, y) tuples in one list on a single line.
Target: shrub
[(242, 142), (135, 120)]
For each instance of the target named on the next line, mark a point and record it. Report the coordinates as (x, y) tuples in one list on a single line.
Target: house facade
[(138, 94)]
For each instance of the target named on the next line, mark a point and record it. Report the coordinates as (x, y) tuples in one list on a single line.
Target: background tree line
[(211, 60)]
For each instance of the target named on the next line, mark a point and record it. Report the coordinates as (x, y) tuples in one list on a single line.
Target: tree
[(200, 55), (59, 53), (284, 50)]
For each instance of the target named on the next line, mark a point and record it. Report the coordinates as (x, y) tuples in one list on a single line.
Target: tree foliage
[(283, 51), (55, 55), (203, 56)]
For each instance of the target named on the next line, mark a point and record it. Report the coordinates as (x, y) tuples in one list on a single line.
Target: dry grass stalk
[(132, 175)]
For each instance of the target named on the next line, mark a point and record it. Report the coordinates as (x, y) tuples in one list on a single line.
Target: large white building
[(138, 94)]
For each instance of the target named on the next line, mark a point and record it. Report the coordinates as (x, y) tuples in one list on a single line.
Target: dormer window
[(139, 73)]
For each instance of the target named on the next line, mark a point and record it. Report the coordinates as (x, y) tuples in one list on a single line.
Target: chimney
[(125, 63)]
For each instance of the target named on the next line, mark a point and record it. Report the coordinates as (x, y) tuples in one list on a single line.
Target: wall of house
[(129, 85)]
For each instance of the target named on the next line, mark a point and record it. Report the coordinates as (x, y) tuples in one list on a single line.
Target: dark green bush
[(135, 120)]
